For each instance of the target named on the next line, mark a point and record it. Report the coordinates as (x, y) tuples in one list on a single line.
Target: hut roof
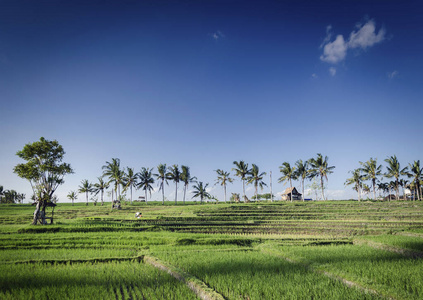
[(290, 190)]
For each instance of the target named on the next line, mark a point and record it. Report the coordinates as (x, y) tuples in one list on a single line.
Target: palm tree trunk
[(359, 192), (397, 190), (243, 188), (102, 202), (271, 192), (290, 183), (224, 190), (321, 183), (131, 194), (374, 189), (256, 192), (163, 192), (86, 194), (146, 196), (176, 193), (185, 190)]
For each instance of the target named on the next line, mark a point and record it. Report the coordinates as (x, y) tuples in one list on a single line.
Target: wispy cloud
[(332, 71), (363, 37), (393, 74), (314, 75), (217, 35)]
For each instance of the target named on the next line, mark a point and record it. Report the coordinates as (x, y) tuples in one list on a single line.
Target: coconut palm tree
[(403, 183), (302, 172), (319, 167), (129, 180), (356, 180), (383, 187), (146, 180), (175, 175), (256, 178), (416, 173), (100, 187), (394, 170), (86, 188), (288, 174), (186, 178), (115, 174), (72, 196), (162, 178), (241, 170), (371, 171), (200, 190), (223, 178)]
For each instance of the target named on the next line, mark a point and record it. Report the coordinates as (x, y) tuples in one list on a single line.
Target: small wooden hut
[(291, 192)]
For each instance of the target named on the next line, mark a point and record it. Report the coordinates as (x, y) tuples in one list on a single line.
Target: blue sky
[(204, 83)]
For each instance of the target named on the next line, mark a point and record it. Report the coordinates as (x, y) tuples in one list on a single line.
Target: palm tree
[(86, 188), (403, 183), (162, 178), (186, 178), (394, 170), (356, 180), (146, 180), (256, 178), (320, 168), (72, 196), (175, 175), (223, 178), (302, 171), (100, 187), (129, 180), (371, 171), (200, 190), (288, 173), (416, 173), (384, 187), (241, 170), (115, 174)]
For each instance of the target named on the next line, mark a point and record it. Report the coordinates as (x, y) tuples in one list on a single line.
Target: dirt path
[(405, 252), (197, 286), (346, 282)]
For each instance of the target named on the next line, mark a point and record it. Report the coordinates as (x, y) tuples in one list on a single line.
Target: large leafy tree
[(288, 174), (129, 180), (223, 178), (320, 167), (241, 170), (115, 174), (174, 174), (44, 170), (86, 187), (186, 178), (371, 172), (416, 174), (146, 180), (302, 172), (72, 195), (200, 190), (357, 181), (162, 178), (394, 170), (99, 187), (256, 178)]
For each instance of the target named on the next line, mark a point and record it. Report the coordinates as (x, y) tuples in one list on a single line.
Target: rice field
[(312, 250)]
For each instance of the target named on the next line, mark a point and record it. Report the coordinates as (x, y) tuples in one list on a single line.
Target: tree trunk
[(146, 196), (176, 193), (224, 190), (163, 192), (290, 184), (374, 189), (185, 190), (397, 190), (86, 195), (102, 202), (271, 192), (359, 192), (256, 192), (243, 188), (321, 183), (131, 194), (36, 213)]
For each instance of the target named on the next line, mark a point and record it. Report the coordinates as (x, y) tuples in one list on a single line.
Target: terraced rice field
[(320, 250)]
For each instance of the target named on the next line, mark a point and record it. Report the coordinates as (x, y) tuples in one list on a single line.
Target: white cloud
[(332, 71), (335, 51), (217, 35), (314, 75), (393, 74), (366, 36)]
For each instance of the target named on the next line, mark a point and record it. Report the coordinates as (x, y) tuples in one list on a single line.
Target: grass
[(243, 251)]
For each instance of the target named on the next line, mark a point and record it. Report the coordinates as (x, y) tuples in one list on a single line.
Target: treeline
[(369, 176), (10, 196)]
